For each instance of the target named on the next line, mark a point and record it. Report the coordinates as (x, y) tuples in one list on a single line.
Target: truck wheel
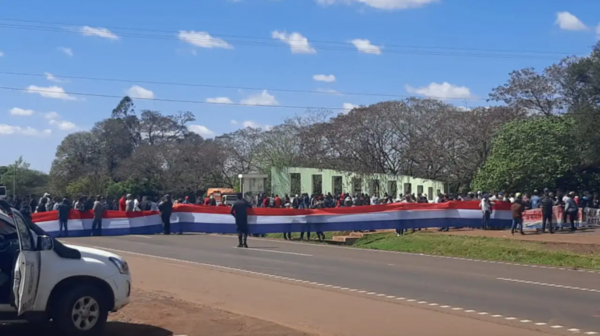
[(80, 311)]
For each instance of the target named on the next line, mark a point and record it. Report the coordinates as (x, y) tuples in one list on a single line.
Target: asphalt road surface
[(554, 300)]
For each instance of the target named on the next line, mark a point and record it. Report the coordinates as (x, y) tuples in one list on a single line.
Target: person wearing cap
[(239, 211), (517, 210), (486, 209)]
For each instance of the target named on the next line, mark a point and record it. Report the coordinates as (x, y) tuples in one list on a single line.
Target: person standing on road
[(547, 204), (517, 210), (63, 217), (486, 209), (166, 209), (98, 209), (239, 210)]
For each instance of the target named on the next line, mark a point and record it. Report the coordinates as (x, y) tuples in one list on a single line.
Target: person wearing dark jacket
[(25, 209), (63, 217), (547, 205), (33, 203), (517, 210), (42, 206), (166, 209), (239, 210)]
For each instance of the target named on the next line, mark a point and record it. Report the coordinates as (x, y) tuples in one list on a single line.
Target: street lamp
[(241, 177)]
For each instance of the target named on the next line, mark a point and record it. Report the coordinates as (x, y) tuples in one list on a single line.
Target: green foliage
[(530, 154), (26, 181)]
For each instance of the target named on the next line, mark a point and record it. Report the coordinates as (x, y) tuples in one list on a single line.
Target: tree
[(526, 89), (26, 181), (531, 154)]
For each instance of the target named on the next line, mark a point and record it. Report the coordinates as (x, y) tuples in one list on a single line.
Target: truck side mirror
[(45, 243)]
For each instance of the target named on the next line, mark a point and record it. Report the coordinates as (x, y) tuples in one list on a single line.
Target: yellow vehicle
[(219, 193)]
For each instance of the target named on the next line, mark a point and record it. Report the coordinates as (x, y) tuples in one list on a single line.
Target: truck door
[(27, 268)]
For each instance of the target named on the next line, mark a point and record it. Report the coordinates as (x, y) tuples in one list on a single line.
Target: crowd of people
[(569, 203)]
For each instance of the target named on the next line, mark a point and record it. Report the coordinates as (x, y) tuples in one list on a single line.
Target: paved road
[(532, 294)]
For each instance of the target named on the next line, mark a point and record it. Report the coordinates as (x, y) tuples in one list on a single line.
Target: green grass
[(483, 248)]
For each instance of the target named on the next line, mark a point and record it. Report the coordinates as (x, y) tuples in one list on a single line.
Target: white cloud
[(139, 92), (202, 40), (219, 100), (234, 122), (54, 92), (98, 31), (66, 51), (51, 115), (349, 107), (263, 98), (298, 43), (52, 78), (568, 21), (16, 111), (17, 130), (382, 4), (202, 130), (441, 91), (365, 46), (324, 78), (63, 124)]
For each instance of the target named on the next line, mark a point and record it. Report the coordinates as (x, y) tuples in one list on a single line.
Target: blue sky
[(243, 44)]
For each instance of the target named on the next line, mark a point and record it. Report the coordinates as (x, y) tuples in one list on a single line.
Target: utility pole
[(15, 182)]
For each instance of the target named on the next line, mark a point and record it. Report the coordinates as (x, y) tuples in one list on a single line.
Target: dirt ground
[(153, 314)]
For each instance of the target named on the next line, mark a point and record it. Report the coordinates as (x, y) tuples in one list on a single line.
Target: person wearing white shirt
[(486, 208)]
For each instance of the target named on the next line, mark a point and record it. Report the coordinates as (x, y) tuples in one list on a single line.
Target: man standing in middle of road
[(239, 210)]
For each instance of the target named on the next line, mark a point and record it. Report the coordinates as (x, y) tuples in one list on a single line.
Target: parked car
[(43, 280)]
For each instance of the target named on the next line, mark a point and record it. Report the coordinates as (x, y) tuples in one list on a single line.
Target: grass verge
[(484, 248)]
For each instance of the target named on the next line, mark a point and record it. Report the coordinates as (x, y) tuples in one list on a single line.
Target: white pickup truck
[(42, 280)]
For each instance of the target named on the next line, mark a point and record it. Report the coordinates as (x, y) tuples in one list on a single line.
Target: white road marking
[(550, 285), (140, 236), (273, 251), (231, 269), (582, 270)]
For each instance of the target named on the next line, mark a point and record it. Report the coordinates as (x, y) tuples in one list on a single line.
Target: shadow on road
[(112, 329)]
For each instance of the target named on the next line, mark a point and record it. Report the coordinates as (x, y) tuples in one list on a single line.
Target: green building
[(295, 180)]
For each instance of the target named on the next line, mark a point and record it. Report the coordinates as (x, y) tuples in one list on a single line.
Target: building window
[(374, 187), (337, 185), (356, 186), (419, 190), (430, 193), (407, 189), (317, 184), (295, 183), (393, 189)]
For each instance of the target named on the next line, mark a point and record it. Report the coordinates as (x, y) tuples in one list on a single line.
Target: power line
[(312, 41), (321, 45), (41, 91), (132, 81), (99, 95)]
